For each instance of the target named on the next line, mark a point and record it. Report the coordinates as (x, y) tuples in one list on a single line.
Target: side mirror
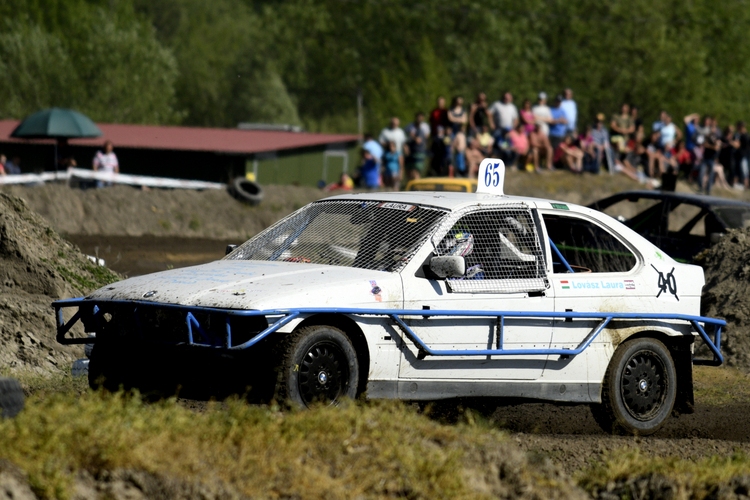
[(229, 249), (448, 266)]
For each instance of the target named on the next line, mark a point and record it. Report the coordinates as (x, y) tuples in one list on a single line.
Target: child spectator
[(474, 157), (459, 154), (485, 141), (369, 174), (393, 165)]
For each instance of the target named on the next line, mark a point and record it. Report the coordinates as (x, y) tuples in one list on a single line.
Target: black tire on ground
[(247, 191), (639, 389), (11, 397), (106, 367), (317, 364)]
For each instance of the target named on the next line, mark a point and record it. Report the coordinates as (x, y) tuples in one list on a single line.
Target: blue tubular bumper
[(281, 317)]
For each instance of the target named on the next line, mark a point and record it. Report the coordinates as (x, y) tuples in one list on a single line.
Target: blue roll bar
[(284, 316)]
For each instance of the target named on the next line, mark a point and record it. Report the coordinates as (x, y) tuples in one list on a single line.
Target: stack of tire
[(246, 191), (11, 397)]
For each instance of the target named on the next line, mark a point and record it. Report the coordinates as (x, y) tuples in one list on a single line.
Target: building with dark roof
[(211, 154)]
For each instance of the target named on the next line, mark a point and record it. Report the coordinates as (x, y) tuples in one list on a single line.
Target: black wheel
[(106, 367), (247, 191), (318, 364), (639, 389), (11, 397)]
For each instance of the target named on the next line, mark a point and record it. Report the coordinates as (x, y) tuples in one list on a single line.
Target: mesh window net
[(501, 249), (380, 236)]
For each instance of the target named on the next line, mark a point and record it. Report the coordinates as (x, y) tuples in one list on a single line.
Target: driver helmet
[(457, 242)]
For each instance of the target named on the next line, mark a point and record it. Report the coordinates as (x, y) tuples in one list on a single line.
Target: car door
[(506, 271), (594, 271)]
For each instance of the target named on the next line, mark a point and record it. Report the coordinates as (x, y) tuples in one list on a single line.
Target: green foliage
[(305, 61)]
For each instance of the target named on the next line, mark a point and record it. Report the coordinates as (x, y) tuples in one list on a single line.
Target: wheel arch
[(680, 348), (355, 335)]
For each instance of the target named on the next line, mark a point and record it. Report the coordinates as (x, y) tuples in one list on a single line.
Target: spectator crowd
[(548, 135)]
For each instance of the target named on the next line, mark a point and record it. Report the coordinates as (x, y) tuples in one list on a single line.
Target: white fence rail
[(81, 174)]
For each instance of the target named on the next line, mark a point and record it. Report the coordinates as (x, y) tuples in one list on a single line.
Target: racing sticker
[(666, 283), (398, 206), (597, 285), (375, 290)]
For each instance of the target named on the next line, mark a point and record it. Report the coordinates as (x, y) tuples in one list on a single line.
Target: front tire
[(318, 364), (639, 389)]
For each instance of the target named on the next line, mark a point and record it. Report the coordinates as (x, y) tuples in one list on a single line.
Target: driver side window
[(501, 250)]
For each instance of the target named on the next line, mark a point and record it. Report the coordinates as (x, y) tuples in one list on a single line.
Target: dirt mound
[(126, 211), (36, 267), (726, 293)]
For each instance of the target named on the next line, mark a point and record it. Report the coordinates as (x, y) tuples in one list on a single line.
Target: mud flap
[(683, 363)]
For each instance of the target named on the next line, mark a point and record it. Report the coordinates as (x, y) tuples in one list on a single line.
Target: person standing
[(570, 108), (459, 154), (416, 146), (504, 114), (374, 147), (394, 165), (457, 115), (479, 115), (438, 117), (106, 161), (542, 114), (742, 155), (558, 125), (393, 133)]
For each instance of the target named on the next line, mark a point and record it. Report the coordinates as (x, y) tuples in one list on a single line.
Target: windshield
[(381, 236)]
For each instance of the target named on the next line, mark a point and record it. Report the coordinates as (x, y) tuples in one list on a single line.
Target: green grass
[(370, 449), (692, 479)]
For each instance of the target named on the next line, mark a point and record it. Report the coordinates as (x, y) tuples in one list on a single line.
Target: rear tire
[(639, 389), (317, 364)]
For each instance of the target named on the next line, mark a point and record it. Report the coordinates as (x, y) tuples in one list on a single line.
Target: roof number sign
[(491, 176)]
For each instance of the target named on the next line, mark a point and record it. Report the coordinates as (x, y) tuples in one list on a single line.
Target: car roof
[(447, 200), (693, 199)]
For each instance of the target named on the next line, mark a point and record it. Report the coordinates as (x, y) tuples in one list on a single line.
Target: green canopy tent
[(56, 123)]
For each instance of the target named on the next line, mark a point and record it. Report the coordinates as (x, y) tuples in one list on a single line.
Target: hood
[(242, 284)]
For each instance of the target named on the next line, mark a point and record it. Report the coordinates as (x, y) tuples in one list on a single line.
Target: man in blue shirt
[(570, 108), (557, 128), (691, 130)]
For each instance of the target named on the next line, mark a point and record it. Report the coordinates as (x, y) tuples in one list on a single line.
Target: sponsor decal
[(398, 206), (597, 285), (560, 206), (375, 290)]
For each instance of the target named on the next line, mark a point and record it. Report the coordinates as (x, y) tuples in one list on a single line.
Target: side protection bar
[(400, 317)]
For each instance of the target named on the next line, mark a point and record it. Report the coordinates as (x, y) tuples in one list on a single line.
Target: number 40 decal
[(491, 176)]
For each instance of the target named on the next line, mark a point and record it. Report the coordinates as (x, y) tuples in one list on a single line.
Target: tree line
[(304, 62)]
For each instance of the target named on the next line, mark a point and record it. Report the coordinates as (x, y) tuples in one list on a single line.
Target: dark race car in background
[(680, 224)]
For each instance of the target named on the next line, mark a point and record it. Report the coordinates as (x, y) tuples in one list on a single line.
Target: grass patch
[(690, 479), (720, 386), (371, 449)]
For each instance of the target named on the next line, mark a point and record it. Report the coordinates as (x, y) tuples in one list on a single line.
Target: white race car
[(421, 296)]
